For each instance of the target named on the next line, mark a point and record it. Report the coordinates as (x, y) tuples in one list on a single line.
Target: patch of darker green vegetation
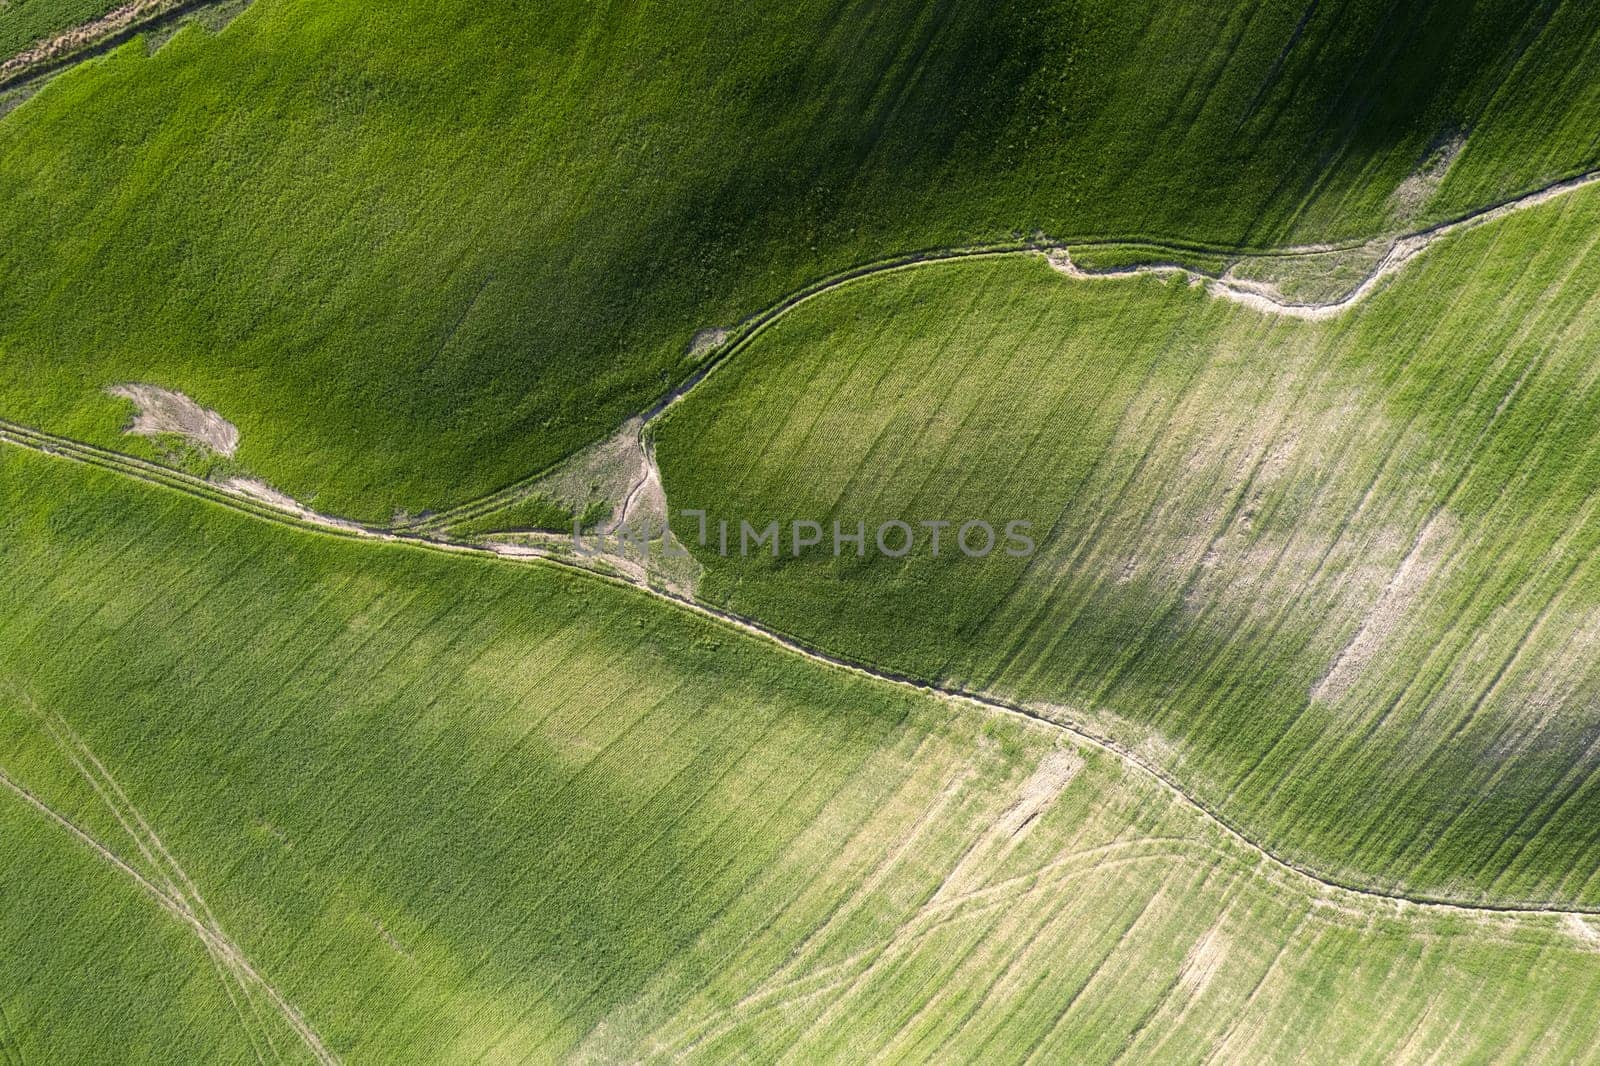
[(415, 250), (24, 22)]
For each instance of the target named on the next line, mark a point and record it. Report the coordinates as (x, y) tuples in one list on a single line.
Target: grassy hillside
[(416, 249), (453, 809), (93, 972), (1337, 576)]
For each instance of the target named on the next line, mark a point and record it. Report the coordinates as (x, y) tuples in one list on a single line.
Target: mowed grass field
[(1337, 577), (416, 249), (453, 810)]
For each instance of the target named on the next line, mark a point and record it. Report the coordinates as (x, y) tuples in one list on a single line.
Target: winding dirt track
[(162, 477), (1403, 249), (431, 533), (46, 58)]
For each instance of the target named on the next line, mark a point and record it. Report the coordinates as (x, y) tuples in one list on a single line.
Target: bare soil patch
[(261, 492), (610, 471), (1411, 196), (1207, 956), (706, 340), (162, 411), (1402, 590)]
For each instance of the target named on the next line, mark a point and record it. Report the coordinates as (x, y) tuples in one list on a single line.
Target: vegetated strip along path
[(153, 474), (431, 532), (1402, 249), (44, 59)]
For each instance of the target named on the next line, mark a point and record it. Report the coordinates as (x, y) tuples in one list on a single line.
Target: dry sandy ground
[(163, 411), (706, 340)]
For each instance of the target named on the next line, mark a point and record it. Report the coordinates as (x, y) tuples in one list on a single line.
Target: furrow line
[(67, 449)]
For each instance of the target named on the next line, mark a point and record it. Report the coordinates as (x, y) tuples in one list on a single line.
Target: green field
[(453, 809), (417, 250), (322, 321), (1336, 576), (23, 22)]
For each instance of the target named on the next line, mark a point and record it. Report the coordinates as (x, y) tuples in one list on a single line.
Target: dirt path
[(46, 52), (1317, 883), (1402, 250), (71, 46), (1254, 295)]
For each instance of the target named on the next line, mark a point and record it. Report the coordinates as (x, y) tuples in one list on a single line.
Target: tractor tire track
[(212, 940), (64, 448)]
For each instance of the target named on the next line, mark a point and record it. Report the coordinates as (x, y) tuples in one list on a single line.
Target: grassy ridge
[(415, 250), (1338, 577), (454, 809)]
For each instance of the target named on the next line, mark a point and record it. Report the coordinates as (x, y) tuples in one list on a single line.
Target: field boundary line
[(43, 59), (177, 481), (1403, 248)]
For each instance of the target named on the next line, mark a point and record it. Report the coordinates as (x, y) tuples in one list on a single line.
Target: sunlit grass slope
[(94, 971), (452, 809), (1339, 577), (417, 249)]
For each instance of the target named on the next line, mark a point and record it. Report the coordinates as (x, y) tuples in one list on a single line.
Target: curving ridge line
[(162, 477), (1402, 249)]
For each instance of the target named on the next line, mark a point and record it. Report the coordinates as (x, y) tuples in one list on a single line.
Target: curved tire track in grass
[(177, 481), (214, 941), (1403, 248)]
